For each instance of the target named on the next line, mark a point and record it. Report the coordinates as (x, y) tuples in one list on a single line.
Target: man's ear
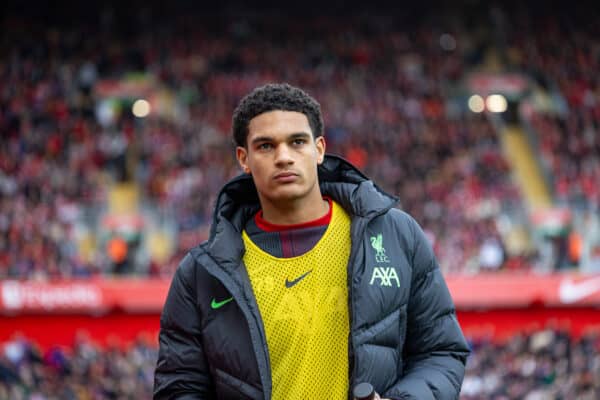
[(242, 156), (320, 145)]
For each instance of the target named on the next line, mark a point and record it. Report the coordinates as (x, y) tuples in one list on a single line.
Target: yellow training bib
[(303, 302)]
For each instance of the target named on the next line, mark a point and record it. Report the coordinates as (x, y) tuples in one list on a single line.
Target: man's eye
[(299, 141), (265, 146)]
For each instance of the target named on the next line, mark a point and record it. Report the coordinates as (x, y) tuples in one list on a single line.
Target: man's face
[(282, 156)]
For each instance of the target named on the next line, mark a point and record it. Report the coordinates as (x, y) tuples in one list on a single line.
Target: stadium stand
[(545, 364), (382, 91), (82, 371)]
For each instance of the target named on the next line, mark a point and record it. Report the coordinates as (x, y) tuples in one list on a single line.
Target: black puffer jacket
[(404, 336)]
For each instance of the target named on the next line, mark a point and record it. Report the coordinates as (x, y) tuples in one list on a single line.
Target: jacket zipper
[(351, 262), (254, 324), (360, 232), (253, 306)]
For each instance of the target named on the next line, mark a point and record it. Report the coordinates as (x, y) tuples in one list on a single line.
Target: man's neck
[(294, 212)]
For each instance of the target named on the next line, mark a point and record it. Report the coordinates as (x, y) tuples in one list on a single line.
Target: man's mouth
[(286, 177)]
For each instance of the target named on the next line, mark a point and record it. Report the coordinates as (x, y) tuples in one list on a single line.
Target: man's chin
[(284, 196)]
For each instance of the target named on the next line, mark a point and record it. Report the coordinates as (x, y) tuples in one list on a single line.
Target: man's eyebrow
[(266, 138), (299, 135), (261, 139)]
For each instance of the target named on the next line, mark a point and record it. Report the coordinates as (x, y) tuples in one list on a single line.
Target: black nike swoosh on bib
[(289, 284)]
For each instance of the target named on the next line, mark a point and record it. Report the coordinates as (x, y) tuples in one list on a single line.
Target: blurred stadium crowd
[(383, 86), (67, 139), (84, 371), (540, 365), (569, 139)]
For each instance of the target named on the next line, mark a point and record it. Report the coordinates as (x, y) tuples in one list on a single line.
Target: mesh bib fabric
[(303, 302)]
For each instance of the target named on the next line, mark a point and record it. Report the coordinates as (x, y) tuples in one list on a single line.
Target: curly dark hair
[(271, 97)]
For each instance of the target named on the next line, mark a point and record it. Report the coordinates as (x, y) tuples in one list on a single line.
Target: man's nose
[(283, 155)]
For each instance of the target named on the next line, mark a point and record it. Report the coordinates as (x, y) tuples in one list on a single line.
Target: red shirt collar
[(264, 225)]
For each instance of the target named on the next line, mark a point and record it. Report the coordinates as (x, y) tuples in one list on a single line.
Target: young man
[(310, 282)]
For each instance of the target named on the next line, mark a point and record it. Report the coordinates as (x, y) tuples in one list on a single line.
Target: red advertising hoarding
[(494, 305)]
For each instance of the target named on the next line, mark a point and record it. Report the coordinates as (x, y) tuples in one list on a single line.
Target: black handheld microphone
[(364, 391)]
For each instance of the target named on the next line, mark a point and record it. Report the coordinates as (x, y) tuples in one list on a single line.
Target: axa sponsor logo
[(377, 244), (385, 276)]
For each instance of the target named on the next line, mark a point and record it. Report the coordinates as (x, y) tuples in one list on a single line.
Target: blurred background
[(483, 117)]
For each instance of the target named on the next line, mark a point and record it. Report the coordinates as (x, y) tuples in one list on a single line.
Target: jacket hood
[(238, 200)]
